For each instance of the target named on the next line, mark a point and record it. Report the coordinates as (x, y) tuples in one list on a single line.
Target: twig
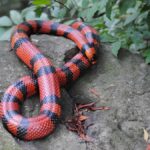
[(62, 4), (77, 122)]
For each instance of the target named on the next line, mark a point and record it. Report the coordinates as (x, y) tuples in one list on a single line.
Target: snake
[(45, 78)]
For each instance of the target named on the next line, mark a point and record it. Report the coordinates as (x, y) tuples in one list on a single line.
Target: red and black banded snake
[(46, 79)]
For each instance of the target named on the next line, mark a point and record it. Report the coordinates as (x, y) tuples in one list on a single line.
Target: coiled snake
[(46, 79)]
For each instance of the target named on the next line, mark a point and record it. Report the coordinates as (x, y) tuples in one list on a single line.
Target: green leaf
[(116, 47), (142, 17), (148, 20), (145, 7), (109, 6), (135, 47), (96, 22), (16, 17), (70, 4), (44, 16), (72, 11), (85, 3), (62, 13), (6, 35), (25, 11), (131, 18), (55, 11), (30, 15), (91, 12), (5, 21), (38, 11), (68, 22), (88, 13), (147, 59), (137, 37), (146, 35), (147, 2), (105, 37), (2, 30), (41, 2), (146, 54), (125, 4)]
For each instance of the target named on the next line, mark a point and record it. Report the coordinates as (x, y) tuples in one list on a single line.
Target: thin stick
[(62, 4)]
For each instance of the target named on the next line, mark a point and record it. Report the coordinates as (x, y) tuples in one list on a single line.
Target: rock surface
[(7, 142), (122, 84)]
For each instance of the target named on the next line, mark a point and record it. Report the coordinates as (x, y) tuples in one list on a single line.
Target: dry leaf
[(94, 92), (85, 106), (86, 138), (99, 108), (76, 123), (83, 118), (146, 135)]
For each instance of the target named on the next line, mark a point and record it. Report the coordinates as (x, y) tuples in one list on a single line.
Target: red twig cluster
[(77, 122)]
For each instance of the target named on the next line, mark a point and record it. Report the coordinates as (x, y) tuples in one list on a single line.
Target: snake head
[(91, 55)]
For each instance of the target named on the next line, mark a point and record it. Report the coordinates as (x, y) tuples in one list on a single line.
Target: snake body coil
[(46, 79)]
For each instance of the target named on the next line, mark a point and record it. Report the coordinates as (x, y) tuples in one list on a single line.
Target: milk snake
[(45, 79)]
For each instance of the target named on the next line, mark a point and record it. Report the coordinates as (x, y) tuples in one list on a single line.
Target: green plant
[(123, 23), (15, 17)]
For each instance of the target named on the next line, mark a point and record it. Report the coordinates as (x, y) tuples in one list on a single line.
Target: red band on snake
[(46, 79)]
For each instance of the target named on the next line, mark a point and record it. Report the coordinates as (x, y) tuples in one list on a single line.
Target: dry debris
[(77, 122), (146, 135)]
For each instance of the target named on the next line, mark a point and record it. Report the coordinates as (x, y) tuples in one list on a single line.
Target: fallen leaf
[(146, 135), (84, 106), (83, 118), (77, 122), (94, 92), (86, 138), (99, 108)]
